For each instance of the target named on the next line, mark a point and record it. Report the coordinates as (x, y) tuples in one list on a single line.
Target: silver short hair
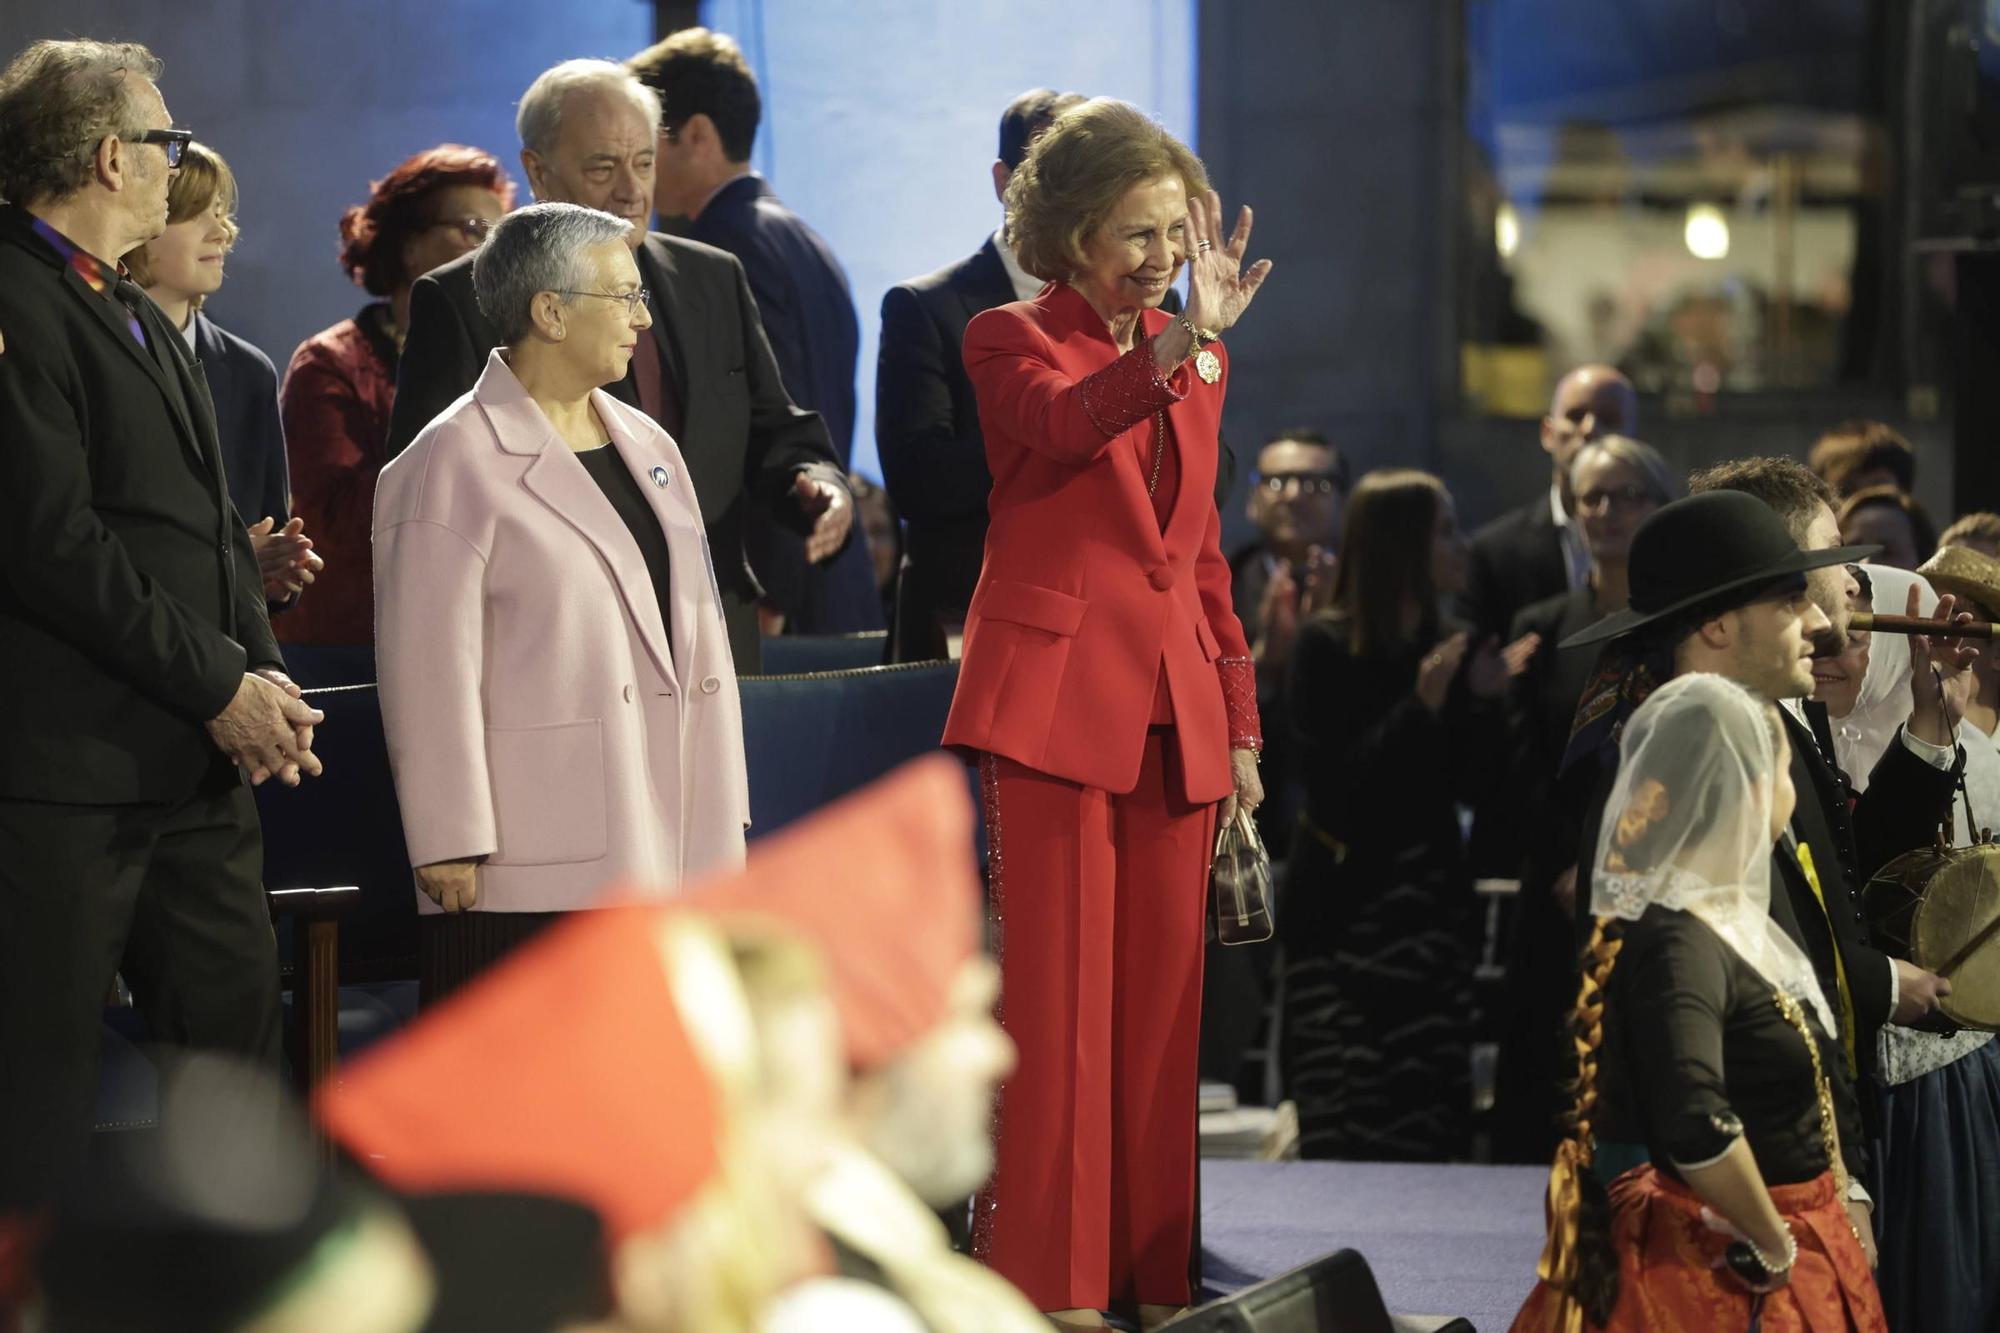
[(1657, 474), (532, 250), (539, 119)]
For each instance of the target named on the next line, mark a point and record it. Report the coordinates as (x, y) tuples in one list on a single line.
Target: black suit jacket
[(741, 433), (243, 384), (1901, 810), (1514, 562), (130, 603), (927, 431), (808, 315)]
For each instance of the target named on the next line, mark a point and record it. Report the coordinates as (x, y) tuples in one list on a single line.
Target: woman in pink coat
[(556, 684)]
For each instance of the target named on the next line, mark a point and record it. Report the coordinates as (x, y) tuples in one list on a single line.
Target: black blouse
[(1697, 1052), (608, 470), (1381, 772)]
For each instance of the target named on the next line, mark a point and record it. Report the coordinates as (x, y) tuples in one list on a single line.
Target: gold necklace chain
[(1828, 1134), (1159, 449)]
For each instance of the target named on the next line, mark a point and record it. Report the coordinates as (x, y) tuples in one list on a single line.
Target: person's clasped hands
[(830, 510), (1488, 671), (267, 729), (285, 557)]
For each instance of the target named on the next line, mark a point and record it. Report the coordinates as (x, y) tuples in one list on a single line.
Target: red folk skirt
[(1670, 1273)]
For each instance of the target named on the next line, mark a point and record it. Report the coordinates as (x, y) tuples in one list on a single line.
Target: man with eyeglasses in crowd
[(1296, 496), (140, 685), (705, 372)]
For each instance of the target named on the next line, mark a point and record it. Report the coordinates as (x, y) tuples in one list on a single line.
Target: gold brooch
[(1208, 366)]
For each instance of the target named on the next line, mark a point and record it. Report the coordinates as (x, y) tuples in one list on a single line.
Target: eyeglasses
[(1627, 498), (472, 227), (632, 300), (173, 142), (1307, 483)]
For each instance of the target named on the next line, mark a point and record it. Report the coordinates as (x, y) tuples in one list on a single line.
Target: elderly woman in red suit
[(1109, 693)]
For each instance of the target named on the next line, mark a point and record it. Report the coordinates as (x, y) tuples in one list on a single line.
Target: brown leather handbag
[(1240, 876)]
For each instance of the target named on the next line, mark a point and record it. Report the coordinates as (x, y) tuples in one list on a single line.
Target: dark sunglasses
[(173, 142)]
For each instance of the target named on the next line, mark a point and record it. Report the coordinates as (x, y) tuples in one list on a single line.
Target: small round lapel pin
[(660, 477)]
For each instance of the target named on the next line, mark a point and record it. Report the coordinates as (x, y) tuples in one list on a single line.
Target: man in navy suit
[(926, 422), (709, 112)]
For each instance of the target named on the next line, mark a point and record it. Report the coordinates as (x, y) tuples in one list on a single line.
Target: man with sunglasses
[(140, 684)]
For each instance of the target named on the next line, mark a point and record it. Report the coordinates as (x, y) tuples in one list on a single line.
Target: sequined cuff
[(1239, 700), (1127, 391)]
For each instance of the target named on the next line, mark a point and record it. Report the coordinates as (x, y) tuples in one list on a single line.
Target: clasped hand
[(267, 729), (1249, 793), (285, 557), (830, 510)]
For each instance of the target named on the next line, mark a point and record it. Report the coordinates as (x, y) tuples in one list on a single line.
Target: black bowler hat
[(1703, 546)]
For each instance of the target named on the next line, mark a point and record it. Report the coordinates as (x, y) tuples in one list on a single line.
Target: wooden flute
[(1943, 629)]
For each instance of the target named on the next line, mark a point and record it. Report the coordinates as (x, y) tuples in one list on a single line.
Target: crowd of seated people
[(563, 473)]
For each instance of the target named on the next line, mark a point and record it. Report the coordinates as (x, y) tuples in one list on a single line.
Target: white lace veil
[(1688, 826), (1862, 737)]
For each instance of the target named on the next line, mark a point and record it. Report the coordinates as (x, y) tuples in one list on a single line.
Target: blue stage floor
[(1442, 1240)]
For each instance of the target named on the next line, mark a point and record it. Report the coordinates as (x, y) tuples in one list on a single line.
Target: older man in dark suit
[(710, 109), (140, 683), (1537, 551), (705, 372)]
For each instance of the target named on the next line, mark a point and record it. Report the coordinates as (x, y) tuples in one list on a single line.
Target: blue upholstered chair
[(813, 737), (797, 654)]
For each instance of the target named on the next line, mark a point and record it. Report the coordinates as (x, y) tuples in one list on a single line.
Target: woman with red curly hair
[(431, 209)]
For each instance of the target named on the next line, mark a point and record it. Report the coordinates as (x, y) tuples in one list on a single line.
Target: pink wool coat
[(538, 712)]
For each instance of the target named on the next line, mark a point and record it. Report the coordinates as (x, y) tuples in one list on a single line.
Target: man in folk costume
[(885, 885), (1719, 584)]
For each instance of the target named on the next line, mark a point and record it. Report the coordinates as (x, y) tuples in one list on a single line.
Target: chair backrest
[(797, 654), (344, 827), (1334, 1293), (812, 738)]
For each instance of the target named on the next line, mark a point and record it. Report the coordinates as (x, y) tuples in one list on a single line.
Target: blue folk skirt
[(1938, 1214)]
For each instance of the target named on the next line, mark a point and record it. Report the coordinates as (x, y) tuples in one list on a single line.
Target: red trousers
[(1100, 903)]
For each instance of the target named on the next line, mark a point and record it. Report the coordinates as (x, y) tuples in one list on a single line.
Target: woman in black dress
[(1703, 1051), (1398, 719)]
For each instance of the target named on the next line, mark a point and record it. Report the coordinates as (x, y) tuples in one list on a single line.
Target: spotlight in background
[(1506, 230), (1706, 232)]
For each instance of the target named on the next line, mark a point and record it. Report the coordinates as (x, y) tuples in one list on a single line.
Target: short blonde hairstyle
[(1076, 173), (203, 179)]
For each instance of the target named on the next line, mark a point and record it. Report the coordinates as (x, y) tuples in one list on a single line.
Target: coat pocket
[(548, 792), (1032, 605), (1203, 635)]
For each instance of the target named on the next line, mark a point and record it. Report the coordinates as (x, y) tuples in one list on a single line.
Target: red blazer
[(335, 403), (1083, 601)]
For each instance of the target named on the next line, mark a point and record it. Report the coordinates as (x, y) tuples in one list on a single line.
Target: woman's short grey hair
[(532, 250), (539, 119), (58, 101), (1655, 473)]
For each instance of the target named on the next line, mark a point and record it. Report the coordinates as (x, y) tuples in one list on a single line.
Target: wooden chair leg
[(316, 995)]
